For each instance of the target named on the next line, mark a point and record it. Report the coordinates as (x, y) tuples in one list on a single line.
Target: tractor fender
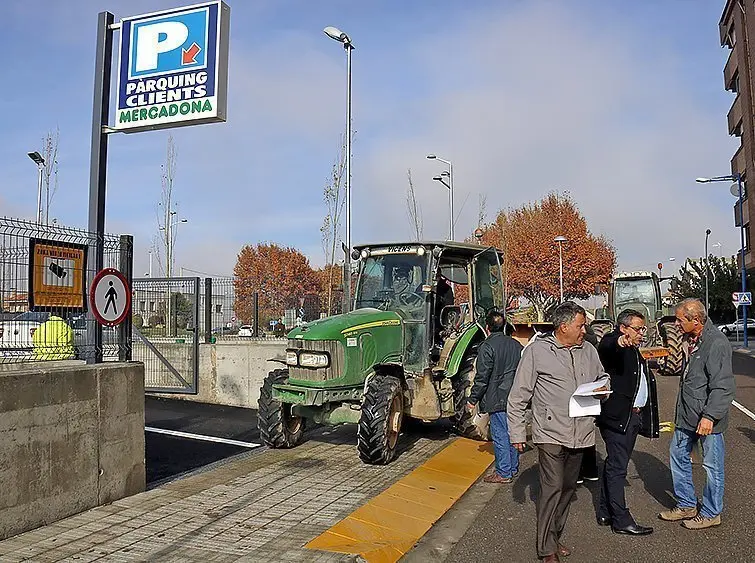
[(472, 333), (387, 368)]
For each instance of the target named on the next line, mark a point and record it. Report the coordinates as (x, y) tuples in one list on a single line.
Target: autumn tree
[(531, 262), (330, 281), (723, 280), (280, 275)]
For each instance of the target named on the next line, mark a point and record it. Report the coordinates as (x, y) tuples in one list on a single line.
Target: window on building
[(142, 306), (218, 307), (151, 306)]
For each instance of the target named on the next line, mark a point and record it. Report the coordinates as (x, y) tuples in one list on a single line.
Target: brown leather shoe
[(495, 478), (552, 558), (563, 551)]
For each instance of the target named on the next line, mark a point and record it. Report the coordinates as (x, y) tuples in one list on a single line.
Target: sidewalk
[(261, 506)]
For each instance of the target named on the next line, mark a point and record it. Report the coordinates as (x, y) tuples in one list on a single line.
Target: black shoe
[(633, 530), (604, 521)]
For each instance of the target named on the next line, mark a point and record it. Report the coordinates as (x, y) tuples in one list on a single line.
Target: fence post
[(126, 266), (207, 310), (256, 313)]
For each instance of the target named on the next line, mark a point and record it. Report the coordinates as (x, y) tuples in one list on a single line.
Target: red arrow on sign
[(189, 56)]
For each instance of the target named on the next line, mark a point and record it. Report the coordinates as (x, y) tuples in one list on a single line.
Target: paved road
[(498, 521), (168, 456)]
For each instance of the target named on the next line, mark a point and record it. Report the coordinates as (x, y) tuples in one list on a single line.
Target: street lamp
[(40, 162), (450, 187), (738, 179), (560, 239), (338, 35), (707, 270), (450, 205)]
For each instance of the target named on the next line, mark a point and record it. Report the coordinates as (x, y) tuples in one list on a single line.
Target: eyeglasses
[(639, 329)]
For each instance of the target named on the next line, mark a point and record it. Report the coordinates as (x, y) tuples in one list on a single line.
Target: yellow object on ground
[(53, 340), (389, 525)]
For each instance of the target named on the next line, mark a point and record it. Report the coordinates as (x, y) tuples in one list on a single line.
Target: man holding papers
[(631, 409), (551, 369)]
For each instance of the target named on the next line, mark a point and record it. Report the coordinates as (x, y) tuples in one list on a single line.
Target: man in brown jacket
[(551, 369)]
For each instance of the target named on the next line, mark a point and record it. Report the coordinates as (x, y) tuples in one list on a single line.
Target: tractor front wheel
[(380, 421), (278, 427)]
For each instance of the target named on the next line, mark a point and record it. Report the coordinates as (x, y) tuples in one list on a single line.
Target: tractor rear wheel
[(380, 421), (673, 364), (600, 330), (278, 427), (464, 423)]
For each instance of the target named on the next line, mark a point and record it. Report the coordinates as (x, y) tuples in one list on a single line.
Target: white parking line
[(744, 410), (201, 437)]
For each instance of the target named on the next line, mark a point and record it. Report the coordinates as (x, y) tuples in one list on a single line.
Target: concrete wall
[(71, 437), (231, 373)]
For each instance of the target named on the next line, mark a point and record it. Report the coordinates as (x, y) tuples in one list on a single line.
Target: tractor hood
[(349, 324)]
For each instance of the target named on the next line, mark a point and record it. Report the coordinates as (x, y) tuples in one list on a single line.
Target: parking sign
[(173, 68)]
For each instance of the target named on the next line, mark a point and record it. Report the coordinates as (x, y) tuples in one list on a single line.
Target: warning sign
[(56, 276), (110, 297)]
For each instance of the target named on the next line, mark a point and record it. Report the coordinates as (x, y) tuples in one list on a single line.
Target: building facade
[(737, 27)]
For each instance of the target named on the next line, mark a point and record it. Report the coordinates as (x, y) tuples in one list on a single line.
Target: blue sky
[(622, 104)]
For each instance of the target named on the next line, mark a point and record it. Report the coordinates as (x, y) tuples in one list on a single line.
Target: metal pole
[(744, 270), (126, 265), (347, 281), (39, 194), (451, 195), (207, 311), (707, 271), (561, 271), (98, 161)]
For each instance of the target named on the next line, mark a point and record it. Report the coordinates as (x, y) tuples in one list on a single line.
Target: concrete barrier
[(231, 373), (71, 437)]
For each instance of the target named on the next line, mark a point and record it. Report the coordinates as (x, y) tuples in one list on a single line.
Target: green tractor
[(641, 291), (406, 351)]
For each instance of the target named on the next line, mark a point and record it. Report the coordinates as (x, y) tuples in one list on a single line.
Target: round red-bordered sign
[(110, 297)]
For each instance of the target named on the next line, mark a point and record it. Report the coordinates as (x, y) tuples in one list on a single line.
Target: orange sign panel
[(57, 272)]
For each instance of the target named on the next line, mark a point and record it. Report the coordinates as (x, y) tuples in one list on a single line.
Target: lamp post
[(338, 35), (707, 270), (450, 187), (738, 179), (560, 239), (40, 162)]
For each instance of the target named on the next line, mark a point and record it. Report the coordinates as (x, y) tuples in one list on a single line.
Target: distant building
[(736, 27)]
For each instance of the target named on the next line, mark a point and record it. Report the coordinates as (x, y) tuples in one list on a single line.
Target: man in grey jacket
[(551, 369), (706, 390)]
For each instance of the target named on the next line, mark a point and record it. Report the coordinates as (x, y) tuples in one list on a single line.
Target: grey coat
[(548, 374), (706, 388)]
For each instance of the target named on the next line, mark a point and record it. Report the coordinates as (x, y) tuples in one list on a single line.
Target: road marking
[(744, 410), (201, 437), (390, 524), (666, 427)]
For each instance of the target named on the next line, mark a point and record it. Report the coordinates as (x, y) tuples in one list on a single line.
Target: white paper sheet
[(583, 402)]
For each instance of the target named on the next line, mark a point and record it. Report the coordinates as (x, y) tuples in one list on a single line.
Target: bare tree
[(413, 209), (50, 169), (166, 210), (334, 195)]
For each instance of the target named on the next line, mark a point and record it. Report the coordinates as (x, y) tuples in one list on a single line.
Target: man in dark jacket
[(497, 361), (706, 390), (631, 409)]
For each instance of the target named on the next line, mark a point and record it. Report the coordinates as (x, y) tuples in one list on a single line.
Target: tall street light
[(738, 179), (450, 203), (338, 35), (561, 239), (450, 187), (707, 270), (40, 162)]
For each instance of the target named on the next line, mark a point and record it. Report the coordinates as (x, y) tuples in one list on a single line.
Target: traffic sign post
[(110, 297)]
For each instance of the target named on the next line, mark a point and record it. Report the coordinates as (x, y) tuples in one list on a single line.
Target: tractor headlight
[(313, 360), (292, 358)]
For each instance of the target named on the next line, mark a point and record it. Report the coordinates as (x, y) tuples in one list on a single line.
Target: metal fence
[(45, 274)]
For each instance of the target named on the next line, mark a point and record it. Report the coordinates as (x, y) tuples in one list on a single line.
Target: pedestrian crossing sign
[(741, 298)]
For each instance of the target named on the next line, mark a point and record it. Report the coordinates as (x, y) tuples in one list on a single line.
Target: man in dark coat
[(631, 409), (497, 361), (706, 390)]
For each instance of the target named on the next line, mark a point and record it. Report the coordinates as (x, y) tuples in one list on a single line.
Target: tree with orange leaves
[(531, 263), (281, 276)]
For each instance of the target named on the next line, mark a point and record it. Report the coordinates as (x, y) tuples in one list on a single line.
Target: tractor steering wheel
[(410, 299)]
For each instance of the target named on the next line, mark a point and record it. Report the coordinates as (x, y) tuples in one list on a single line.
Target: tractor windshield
[(393, 282), (635, 291)]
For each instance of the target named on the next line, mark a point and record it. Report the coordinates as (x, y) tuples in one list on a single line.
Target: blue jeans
[(506, 455), (681, 471)]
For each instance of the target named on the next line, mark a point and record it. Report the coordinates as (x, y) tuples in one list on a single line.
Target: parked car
[(246, 331), (733, 328)]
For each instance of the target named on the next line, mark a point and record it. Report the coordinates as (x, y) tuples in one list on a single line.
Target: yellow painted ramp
[(389, 525)]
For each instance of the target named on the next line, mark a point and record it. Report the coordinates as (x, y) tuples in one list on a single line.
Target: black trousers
[(619, 449), (559, 469)]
